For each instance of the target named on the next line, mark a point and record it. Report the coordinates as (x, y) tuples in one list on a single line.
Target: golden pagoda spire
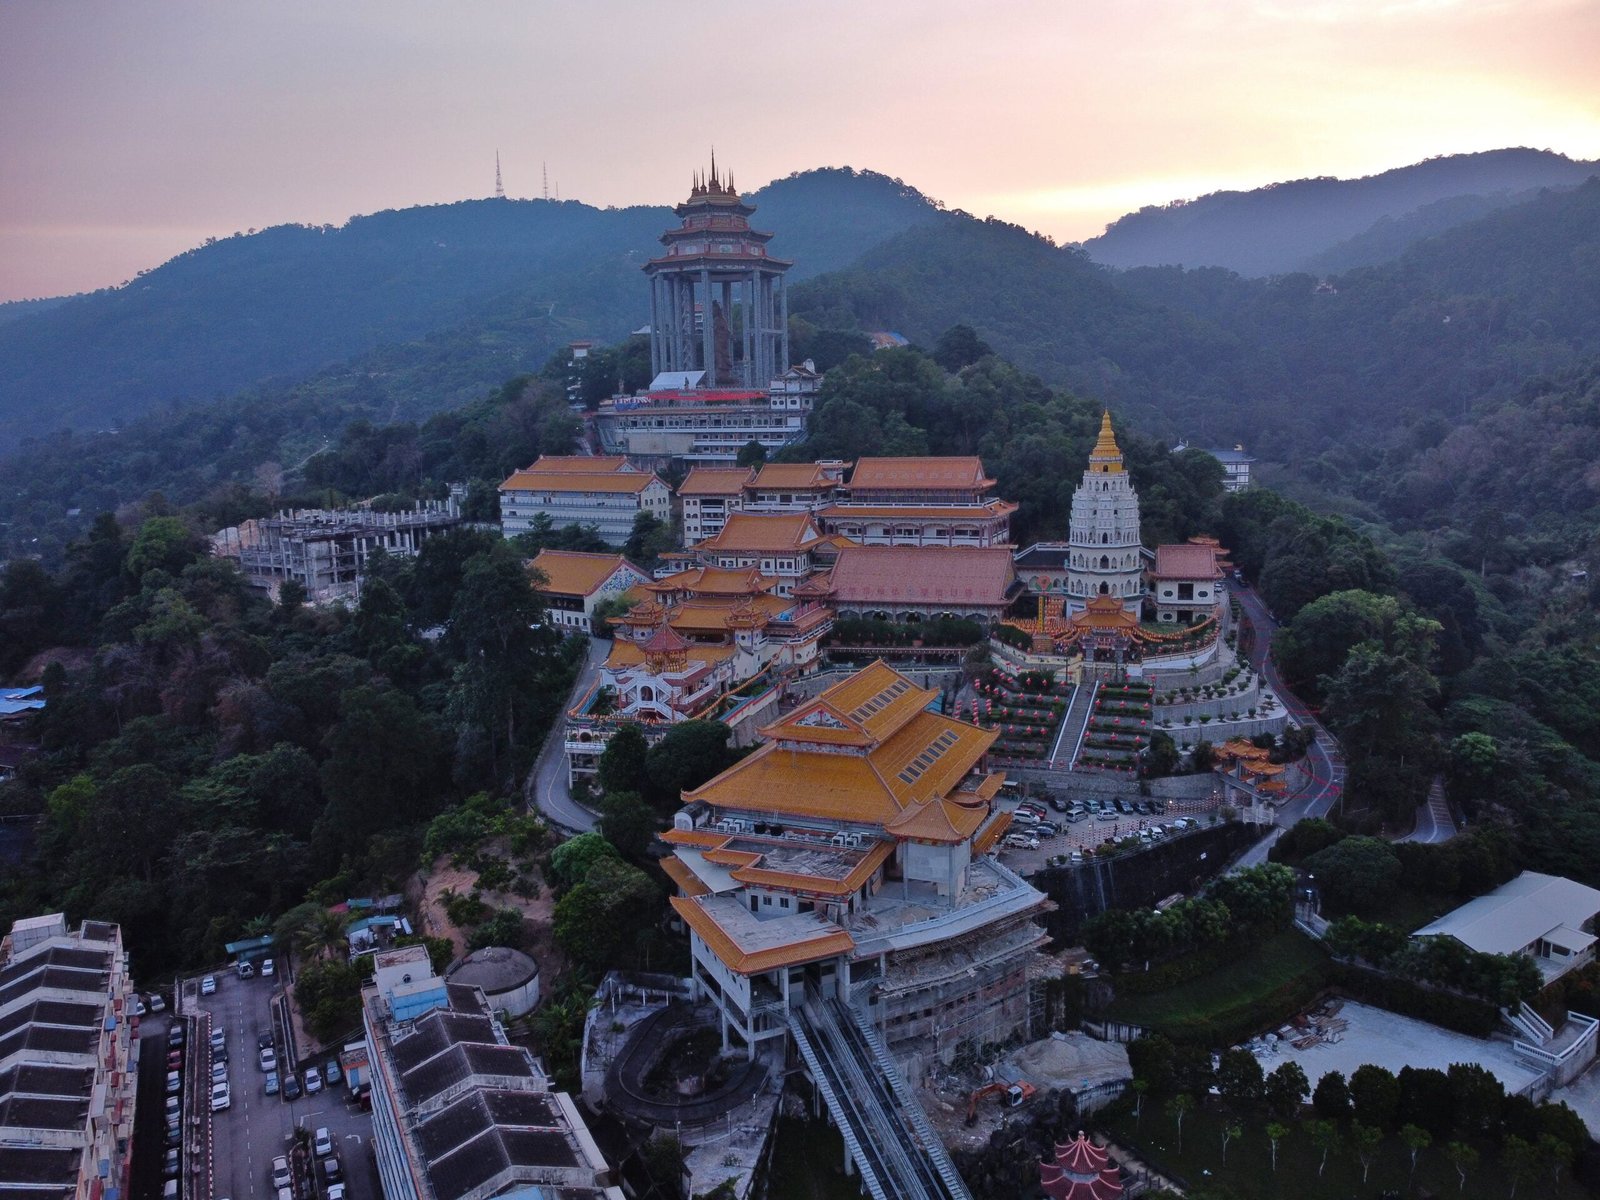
[(1106, 455)]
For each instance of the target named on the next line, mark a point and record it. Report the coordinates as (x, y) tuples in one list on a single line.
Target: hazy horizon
[(132, 133)]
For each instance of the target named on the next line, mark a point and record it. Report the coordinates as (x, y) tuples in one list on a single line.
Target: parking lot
[(1088, 833), (232, 1150)]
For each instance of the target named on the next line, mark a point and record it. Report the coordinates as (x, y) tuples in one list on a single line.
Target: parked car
[(291, 1086), (266, 966), (175, 1035), (247, 970), (156, 1004), (174, 1107), (322, 1142), (175, 1135), (1058, 803), (263, 1041), (330, 1072), (1075, 857), (174, 1083), (330, 1171), (169, 1165), (208, 985), (281, 1176), (1047, 829), (219, 1072), (221, 1096), (336, 1191), (1107, 815), (219, 1054), (313, 1081), (136, 1007), (272, 1083), (174, 1060), (1021, 841), (269, 1060)]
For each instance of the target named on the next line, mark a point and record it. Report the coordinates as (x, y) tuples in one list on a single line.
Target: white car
[(208, 985), (269, 1060), (157, 1004), (313, 1081), (280, 1173), (219, 1035), (266, 966), (322, 1142), (221, 1097)]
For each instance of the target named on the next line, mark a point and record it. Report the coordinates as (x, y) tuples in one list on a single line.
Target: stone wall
[(1140, 880)]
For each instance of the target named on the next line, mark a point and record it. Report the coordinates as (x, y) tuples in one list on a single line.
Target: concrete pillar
[(782, 348), (655, 326), (707, 329)]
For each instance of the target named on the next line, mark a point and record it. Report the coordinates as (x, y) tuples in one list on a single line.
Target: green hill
[(503, 282), (1287, 226)]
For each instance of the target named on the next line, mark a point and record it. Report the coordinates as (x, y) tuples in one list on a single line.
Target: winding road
[(1324, 761), (547, 788)]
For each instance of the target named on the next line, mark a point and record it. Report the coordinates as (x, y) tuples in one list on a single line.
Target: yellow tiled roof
[(937, 821), (794, 783), (931, 756), (625, 653), (879, 698), (688, 882), (571, 573), (826, 942), (986, 840)]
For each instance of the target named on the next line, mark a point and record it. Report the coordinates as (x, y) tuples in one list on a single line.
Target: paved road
[(547, 782), (1434, 820), (1324, 761), (246, 1137)]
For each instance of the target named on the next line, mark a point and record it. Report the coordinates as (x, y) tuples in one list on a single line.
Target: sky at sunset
[(131, 131)]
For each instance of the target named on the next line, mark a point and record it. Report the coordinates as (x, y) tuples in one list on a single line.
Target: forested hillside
[(446, 300), (1286, 226)]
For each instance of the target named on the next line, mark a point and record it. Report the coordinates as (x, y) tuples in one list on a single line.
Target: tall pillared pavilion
[(718, 303), (1081, 1171)]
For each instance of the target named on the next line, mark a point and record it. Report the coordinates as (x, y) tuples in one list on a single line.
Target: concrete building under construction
[(326, 549)]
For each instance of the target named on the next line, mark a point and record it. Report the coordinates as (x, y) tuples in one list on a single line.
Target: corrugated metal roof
[(1519, 913)]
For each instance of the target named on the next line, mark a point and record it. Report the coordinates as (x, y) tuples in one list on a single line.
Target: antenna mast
[(544, 170), (499, 188)]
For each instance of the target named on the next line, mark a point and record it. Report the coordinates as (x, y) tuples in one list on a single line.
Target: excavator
[(1012, 1095)]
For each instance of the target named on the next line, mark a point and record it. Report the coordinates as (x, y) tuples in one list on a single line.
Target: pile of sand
[(1072, 1060)]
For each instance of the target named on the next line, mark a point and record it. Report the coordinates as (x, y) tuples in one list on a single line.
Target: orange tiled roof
[(877, 698), (572, 481), (944, 575), (716, 581), (625, 653), (581, 464), (707, 838), (985, 841), (937, 820), (782, 533), (988, 510), (931, 756), (688, 882), (755, 875), (1188, 561), (824, 941), (1105, 612), (791, 475), (931, 473), (571, 573), (715, 481)]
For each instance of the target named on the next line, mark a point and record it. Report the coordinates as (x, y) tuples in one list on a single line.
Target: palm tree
[(323, 935)]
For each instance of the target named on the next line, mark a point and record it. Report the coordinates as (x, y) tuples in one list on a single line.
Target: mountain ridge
[(1283, 226)]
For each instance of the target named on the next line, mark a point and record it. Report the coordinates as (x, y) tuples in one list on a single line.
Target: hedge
[(1412, 1000)]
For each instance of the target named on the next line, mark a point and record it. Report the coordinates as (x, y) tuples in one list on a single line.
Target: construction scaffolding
[(326, 550)]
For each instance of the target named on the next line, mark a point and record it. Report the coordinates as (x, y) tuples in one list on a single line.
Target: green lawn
[(1260, 987), (1250, 1175)]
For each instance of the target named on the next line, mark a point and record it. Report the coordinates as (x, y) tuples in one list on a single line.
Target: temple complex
[(703, 637), (718, 305), (846, 861), (920, 502), (719, 342)]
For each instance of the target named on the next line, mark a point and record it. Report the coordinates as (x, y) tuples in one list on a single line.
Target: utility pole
[(499, 188)]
